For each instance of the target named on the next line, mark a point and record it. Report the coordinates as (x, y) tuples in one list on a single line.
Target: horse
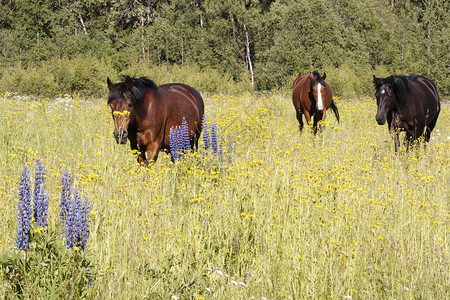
[(144, 113), (407, 103), (312, 96)]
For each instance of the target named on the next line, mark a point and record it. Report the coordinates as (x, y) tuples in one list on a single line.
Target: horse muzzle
[(121, 137), (380, 119)]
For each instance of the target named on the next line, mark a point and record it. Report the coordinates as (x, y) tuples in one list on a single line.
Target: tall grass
[(291, 216)]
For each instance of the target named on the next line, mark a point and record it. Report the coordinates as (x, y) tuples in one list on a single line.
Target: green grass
[(292, 216)]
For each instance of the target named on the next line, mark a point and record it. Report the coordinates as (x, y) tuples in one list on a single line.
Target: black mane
[(317, 78), (133, 88), (398, 83)]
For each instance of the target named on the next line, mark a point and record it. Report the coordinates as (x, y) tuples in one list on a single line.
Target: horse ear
[(324, 76), (375, 78), (129, 83), (110, 84), (311, 75)]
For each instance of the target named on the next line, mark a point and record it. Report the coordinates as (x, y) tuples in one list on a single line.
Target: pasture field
[(291, 216)]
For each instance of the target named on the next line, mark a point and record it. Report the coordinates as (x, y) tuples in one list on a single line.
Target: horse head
[(122, 107), (318, 89), (385, 97)]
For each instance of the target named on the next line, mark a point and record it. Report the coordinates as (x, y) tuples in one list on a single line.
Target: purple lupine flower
[(206, 137), (179, 141), (175, 143), (230, 148), (40, 202), (86, 205), (78, 221), (214, 137), (72, 222), (24, 215), (41, 208), (66, 184), (185, 135)]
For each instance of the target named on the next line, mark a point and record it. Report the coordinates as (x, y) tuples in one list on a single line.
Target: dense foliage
[(63, 46)]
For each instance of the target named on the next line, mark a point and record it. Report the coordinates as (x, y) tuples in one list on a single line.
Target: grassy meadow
[(291, 216)]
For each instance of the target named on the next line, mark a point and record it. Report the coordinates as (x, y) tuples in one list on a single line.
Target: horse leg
[(428, 129), (152, 152), (300, 120), (396, 141), (135, 149), (318, 117), (307, 117), (409, 140), (195, 138)]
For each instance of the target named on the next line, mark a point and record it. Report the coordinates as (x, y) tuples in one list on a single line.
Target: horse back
[(183, 96), (424, 93)]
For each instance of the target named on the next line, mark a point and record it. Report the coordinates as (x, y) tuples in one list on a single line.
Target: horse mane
[(398, 83), (316, 75), (317, 78), (133, 88)]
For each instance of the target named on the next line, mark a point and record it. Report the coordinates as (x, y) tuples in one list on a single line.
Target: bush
[(84, 75), (207, 80)]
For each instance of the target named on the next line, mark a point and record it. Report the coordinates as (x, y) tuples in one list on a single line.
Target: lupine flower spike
[(173, 144), (66, 185), (78, 221), (206, 137), (214, 143), (230, 148), (40, 202), (24, 215), (185, 135)]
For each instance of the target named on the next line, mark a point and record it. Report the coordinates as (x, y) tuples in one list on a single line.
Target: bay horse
[(407, 103), (144, 113), (312, 96)]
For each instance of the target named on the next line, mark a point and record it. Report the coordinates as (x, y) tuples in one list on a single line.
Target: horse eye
[(130, 105)]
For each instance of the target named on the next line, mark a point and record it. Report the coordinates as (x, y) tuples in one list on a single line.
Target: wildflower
[(77, 221), (230, 148), (185, 135), (206, 137), (179, 140), (24, 215), (214, 137), (40, 202), (66, 183), (173, 143)]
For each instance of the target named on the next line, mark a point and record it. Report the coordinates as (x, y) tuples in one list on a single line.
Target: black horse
[(408, 103)]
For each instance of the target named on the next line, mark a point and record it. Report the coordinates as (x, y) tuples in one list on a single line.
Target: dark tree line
[(266, 43)]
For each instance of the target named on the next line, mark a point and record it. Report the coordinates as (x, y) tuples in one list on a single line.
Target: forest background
[(229, 46)]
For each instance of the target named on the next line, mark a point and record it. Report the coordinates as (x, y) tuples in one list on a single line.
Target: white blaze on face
[(319, 97)]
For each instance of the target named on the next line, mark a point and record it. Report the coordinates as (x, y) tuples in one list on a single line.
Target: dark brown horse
[(312, 96), (407, 103), (144, 113)]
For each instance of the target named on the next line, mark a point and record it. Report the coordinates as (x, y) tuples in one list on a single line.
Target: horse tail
[(335, 110)]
